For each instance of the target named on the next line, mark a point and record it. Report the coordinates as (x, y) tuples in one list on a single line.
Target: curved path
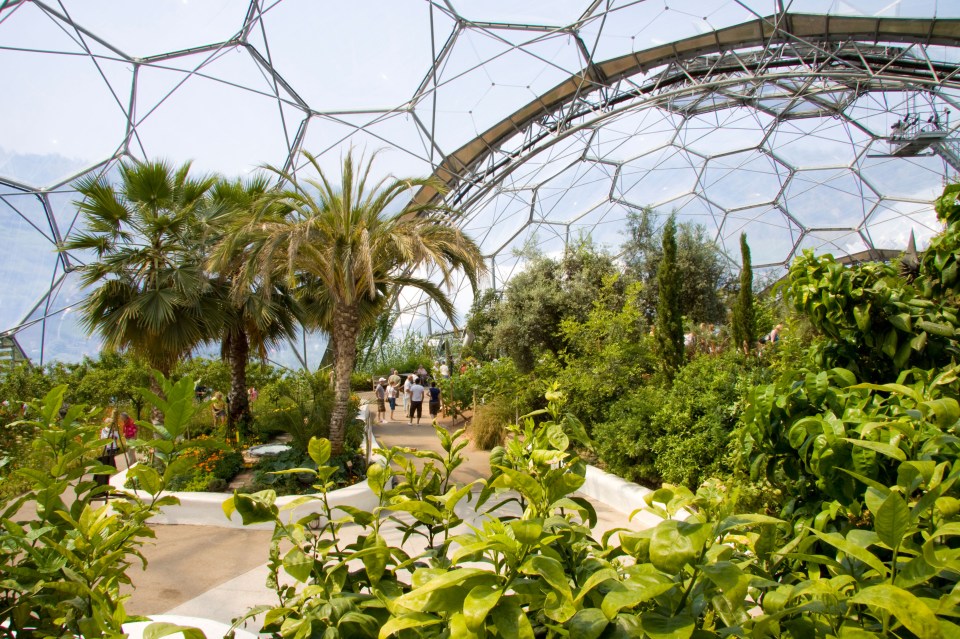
[(219, 573)]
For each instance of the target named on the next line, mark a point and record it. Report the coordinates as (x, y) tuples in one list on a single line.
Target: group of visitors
[(411, 393)]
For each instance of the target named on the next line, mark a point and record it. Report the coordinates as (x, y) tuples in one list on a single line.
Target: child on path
[(392, 398)]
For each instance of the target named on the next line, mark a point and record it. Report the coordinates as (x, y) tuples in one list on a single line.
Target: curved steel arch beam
[(807, 31)]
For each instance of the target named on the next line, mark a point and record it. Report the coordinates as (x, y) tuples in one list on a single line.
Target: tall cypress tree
[(744, 319), (669, 327)]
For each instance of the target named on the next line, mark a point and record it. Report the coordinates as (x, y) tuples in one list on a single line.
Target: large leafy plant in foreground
[(65, 557), (527, 567)]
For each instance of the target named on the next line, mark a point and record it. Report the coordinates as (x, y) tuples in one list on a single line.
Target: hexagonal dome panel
[(807, 124)]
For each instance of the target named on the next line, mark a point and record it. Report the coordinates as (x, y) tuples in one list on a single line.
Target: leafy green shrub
[(625, 442), (677, 435), (361, 382), (299, 403), (65, 559), (488, 428), (608, 353), (270, 473), (698, 415)]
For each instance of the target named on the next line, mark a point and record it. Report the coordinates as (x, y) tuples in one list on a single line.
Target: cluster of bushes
[(210, 470)]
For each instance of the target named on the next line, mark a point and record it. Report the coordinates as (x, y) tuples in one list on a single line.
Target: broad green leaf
[(946, 410), (417, 597), (521, 482), (457, 627), (884, 449), (148, 479), (594, 580), (639, 590), (915, 572), (557, 438), (527, 531), (840, 543), (552, 572), (588, 623), (251, 509), (843, 377), (674, 544), (892, 520), (511, 621), (478, 604), (297, 564), (412, 620), (658, 626), (901, 321), (735, 522), (374, 556), (422, 510), (861, 314), (907, 608), (319, 450)]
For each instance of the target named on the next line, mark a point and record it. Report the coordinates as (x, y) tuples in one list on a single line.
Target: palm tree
[(150, 292), (258, 313), (348, 254)]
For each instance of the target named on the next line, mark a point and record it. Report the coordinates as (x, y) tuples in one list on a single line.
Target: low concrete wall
[(206, 509), (619, 494)]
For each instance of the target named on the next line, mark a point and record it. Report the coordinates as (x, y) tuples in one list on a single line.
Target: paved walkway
[(219, 573)]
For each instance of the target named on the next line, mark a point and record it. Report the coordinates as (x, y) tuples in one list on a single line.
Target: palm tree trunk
[(237, 348), (163, 367), (346, 325)]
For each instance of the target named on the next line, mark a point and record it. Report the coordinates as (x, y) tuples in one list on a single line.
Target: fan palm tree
[(150, 293), (258, 313), (347, 253)]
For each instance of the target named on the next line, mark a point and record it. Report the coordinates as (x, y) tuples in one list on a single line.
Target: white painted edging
[(619, 494), (206, 509)]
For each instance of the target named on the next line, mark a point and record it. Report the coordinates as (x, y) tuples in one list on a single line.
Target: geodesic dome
[(806, 124)]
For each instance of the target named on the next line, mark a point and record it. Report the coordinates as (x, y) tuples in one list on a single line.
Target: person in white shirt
[(416, 400), (407, 383), (392, 398)]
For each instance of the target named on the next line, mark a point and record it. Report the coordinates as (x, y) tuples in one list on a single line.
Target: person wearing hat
[(381, 392)]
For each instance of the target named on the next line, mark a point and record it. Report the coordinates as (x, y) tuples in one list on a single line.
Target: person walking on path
[(392, 398), (434, 399), (381, 392), (416, 400), (394, 379), (407, 383)]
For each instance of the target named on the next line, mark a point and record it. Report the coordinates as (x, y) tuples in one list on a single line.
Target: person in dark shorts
[(434, 400), (381, 392), (416, 399)]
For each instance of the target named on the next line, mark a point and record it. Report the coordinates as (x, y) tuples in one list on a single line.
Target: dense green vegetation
[(833, 509), (809, 487)]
